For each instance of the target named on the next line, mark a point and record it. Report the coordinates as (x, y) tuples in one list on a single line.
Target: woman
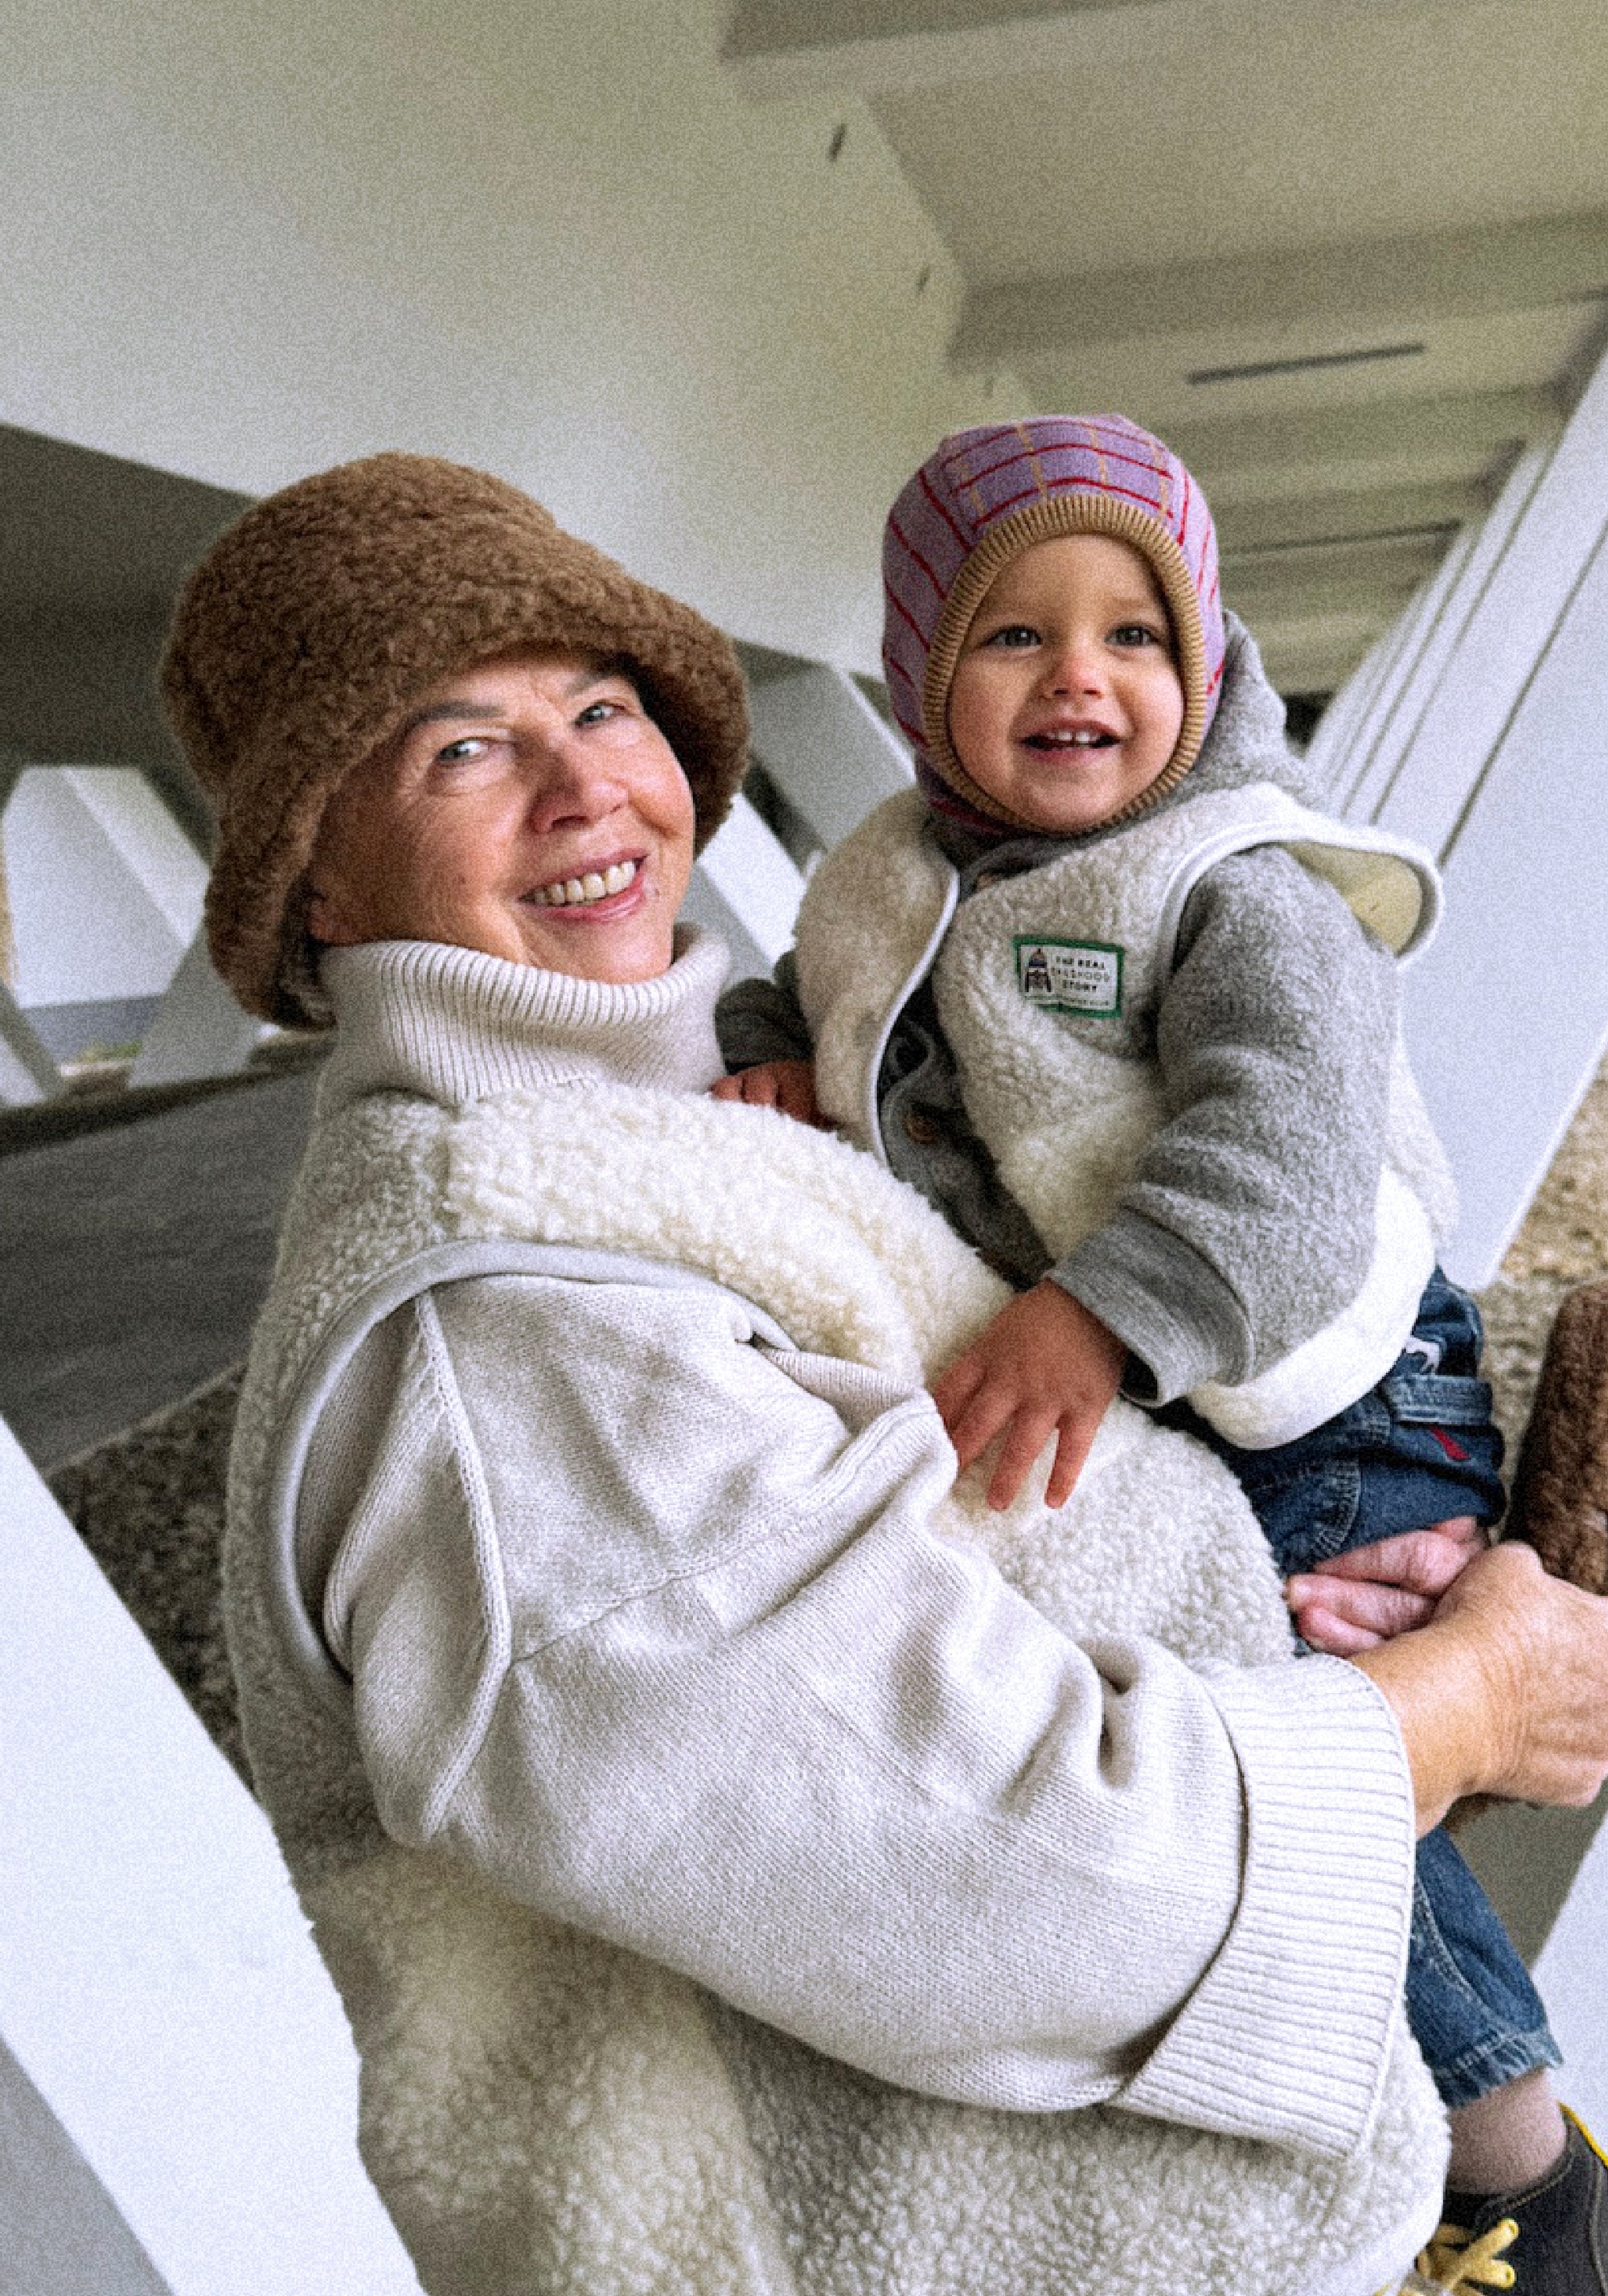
[(735, 1875)]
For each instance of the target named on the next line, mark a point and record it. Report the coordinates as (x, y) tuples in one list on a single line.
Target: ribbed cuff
[(1295, 2012), (1168, 1305)]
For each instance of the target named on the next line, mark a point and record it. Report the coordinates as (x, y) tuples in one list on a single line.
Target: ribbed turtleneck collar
[(456, 1025)]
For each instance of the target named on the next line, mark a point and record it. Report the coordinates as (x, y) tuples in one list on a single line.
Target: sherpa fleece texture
[(544, 2112), (1067, 1103), (311, 626)]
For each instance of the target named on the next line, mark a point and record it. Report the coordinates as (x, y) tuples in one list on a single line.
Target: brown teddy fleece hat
[(309, 629)]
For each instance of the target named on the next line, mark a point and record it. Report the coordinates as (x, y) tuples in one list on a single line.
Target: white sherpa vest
[(1048, 986), (543, 2111)]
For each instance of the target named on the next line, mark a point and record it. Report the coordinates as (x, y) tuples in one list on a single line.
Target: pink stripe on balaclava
[(988, 493)]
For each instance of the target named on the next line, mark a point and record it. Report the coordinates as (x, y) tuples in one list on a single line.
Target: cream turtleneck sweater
[(458, 1026)]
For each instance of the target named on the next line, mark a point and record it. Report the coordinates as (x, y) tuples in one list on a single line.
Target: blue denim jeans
[(1418, 1448)]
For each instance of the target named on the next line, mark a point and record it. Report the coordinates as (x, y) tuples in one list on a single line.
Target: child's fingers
[(1336, 1637), (1028, 1432), (975, 1418), (954, 1392), (1075, 1442), (726, 1087), (1344, 1616)]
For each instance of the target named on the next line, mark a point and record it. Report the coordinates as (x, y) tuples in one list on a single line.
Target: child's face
[(1066, 702)]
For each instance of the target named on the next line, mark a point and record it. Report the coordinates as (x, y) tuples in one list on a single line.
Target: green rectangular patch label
[(1070, 976)]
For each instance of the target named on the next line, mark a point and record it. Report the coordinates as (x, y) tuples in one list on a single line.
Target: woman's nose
[(570, 778)]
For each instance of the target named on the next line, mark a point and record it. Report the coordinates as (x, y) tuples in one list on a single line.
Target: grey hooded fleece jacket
[(1275, 1043)]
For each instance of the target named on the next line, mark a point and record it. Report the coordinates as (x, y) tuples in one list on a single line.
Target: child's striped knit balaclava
[(988, 494)]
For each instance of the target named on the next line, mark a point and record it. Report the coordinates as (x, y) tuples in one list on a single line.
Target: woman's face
[(529, 808)]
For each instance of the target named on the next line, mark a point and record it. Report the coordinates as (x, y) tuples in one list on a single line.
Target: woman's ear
[(329, 917)]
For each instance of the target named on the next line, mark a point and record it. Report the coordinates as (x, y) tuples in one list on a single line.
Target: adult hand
[(1370, 1593), (1043, 1366), (789, 1086), (1506, 1691)]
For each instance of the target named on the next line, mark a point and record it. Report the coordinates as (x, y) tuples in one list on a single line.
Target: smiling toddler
[(1108, 991)]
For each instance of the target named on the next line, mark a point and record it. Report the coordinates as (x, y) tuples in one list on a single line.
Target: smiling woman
[(529, 808), (749, 1866)]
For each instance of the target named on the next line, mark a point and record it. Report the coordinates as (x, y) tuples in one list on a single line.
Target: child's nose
[(1075, 666)]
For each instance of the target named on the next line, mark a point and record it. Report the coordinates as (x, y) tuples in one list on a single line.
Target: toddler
[(1110, 992)]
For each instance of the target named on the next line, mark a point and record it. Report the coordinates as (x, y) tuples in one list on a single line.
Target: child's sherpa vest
[(1048, 986)]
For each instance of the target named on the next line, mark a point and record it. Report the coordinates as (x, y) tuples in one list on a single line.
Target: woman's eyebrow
[(439, 713)]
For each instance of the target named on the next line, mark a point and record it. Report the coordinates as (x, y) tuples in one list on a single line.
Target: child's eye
[(1015, 634), (1137, 634)]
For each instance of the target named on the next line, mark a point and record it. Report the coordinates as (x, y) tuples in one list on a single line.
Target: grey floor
[(134, 1257)]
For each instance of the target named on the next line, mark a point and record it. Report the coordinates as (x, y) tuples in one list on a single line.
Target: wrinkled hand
[(789, 1086), (1372, 1594), (1506, 1691), (1045, 1365)]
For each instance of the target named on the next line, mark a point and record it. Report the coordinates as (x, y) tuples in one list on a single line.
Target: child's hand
[(787, 1084), (1370, 1593), (1045, 1365)]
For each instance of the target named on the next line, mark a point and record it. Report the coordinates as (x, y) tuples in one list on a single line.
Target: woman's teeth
[(575, 893)]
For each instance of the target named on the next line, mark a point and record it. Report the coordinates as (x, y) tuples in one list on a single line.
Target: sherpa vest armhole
[(1389, 885), (447, 1263)]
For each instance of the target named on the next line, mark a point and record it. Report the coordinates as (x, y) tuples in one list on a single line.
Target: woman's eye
[(596, 713), (458, 753)]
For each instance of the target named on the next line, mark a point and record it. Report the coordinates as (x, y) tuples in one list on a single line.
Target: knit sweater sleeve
[(1249, 1222), (650, 1625)]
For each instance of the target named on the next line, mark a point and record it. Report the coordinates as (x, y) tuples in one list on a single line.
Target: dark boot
[(1549, 2240)]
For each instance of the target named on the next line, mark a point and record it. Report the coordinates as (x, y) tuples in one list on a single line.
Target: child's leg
[(1421, 1449), (1481, 2024)]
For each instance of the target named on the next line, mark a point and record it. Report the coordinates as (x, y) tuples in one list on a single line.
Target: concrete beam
[(1333, 576), (1365, 776), (199, 1029), (27, 1073), (1386, 444), (1253, 529), (1372, 289), (158, 1986), (779, 48), (830, 753)]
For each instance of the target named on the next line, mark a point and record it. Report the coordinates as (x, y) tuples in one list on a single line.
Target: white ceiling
[(1347, 255)]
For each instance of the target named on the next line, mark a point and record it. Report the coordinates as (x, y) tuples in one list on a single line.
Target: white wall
[(551, 239)]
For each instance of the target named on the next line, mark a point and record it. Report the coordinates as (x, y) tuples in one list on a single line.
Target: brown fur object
[(1561, 1490), (304, 635)]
